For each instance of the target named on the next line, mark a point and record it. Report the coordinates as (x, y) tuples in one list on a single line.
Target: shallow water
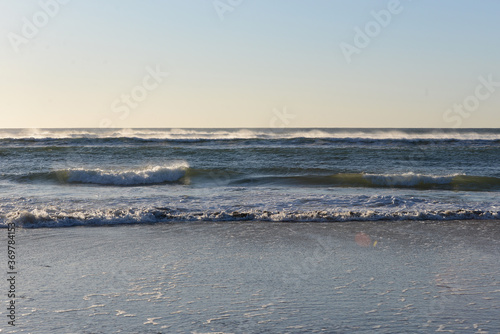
[(254, 277)]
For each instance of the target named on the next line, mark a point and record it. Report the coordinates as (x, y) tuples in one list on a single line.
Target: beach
[(260, 277), (251, 230), (230, 166)]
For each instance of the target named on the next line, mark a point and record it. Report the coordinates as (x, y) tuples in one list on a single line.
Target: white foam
[(57, 218), (209, 134), (149, 175)]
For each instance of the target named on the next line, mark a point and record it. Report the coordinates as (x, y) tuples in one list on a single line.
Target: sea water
[(259, 277), (67, 177)]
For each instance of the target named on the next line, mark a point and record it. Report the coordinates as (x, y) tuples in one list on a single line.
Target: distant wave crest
[(252, 134)]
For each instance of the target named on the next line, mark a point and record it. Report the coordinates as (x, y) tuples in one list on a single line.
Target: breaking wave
[(263, 133), (458, 182), (144, 176), (54, 218)]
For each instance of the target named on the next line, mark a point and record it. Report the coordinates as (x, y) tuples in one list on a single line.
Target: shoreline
[(44, 225)]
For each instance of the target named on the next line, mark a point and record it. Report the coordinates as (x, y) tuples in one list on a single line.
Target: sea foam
[(54, 217), (259, 134)]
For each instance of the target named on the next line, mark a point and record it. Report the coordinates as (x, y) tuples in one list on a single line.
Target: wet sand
[(385, 277)]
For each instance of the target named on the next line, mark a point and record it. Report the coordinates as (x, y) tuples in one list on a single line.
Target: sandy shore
[(384, 277)]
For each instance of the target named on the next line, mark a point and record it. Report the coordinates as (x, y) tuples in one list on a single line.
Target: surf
[(410, 180), (182, 173), (255, 133), (51, 217), (120, 177)]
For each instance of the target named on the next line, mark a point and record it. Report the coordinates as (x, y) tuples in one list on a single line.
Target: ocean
[(250, 230), (68, 177)]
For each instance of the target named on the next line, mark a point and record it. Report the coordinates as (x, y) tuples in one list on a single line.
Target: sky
[(249, 63)]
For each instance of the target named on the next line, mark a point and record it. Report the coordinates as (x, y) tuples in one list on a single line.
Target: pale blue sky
[(263, 57)]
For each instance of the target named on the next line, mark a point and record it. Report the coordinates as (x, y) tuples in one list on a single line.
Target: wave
[(52, 218), (414, 180), (134, 177), (181, 172), (252, 134), (458, 182)]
